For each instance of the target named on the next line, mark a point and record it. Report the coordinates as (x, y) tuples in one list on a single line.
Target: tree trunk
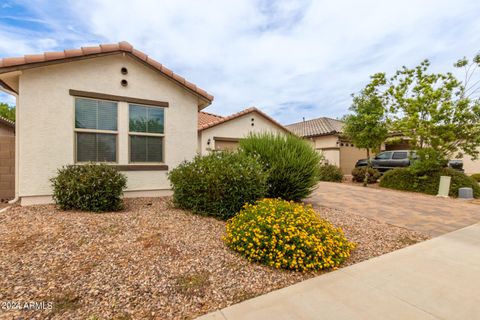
[(365, 179)]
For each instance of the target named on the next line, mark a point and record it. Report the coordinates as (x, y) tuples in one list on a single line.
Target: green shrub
[(427, 181), (89, 187), (476, 176), (293, 165), (218, 184), (286, 235), (358, 174), (330, 172)]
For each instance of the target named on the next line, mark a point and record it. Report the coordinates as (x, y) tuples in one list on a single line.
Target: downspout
[(17, 144), (17, 154)]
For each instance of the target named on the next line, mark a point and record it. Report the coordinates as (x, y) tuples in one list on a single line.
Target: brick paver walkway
[(423, 213)]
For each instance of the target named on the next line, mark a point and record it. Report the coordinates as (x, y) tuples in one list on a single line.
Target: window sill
[(142, 167)]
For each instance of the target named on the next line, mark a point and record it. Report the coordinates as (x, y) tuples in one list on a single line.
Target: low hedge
[(358, 174), (286, 235), (427, 182), (476, 176), (330, 172), (89, 187), (218, 184)]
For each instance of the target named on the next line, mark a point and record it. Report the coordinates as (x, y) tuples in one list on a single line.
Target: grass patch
[(66, 302), (191, 284)]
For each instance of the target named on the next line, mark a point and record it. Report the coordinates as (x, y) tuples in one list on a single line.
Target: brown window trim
[(226, 139), (142, 167), (103, 96)]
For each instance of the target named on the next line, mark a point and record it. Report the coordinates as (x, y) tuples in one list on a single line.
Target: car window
[(383, 155), (400, 155)]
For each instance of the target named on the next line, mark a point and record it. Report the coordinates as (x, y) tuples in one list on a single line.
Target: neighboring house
[(109, 103), (325, 134), (7, 159), (224, 133)]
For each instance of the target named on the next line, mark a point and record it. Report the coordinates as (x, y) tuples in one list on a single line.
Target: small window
[(146, 149), (146, 119), (146, 126), (95, 130), (400, 155), (384, 156), (96, 147), (95, 114)]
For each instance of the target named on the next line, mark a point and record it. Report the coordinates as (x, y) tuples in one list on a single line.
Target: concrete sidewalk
[(435, 279)]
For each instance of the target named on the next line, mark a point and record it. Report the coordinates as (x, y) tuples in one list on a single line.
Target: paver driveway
[(423, 213)]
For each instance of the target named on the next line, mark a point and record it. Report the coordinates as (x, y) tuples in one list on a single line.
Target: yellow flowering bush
[(286, 235)]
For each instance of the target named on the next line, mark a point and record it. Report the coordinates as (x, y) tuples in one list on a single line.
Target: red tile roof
[(31, 61), (316, 127), (205, 118), (237, 115)]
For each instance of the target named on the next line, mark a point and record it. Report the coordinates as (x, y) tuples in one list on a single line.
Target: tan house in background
[(7, 159), (110, 103), (325, 135), (223, 133)]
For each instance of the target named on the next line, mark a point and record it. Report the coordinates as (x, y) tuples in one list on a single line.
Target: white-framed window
[(95, 130), (146, 134)]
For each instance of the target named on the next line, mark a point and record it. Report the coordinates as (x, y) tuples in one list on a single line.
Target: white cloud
[(291, 58)]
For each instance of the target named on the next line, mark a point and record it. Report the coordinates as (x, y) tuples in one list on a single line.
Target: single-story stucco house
[(325, 135), (7, 159), (223, 133), (109, 103)]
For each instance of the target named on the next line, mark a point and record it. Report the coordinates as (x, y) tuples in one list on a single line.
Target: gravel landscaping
[(149, 261)]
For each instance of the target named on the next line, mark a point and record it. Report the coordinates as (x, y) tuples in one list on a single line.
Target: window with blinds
[(146, 126), (96, 130)]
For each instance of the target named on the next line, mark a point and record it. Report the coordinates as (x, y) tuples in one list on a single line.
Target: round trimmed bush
[(358, 174), (286, 235), (292, 164), (428, 181), (218, 184), (89, 187), (330, 172)]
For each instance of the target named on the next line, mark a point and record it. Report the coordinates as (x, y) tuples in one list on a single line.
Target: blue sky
[(292, 59)]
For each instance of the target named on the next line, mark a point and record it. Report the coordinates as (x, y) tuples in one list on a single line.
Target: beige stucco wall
[(471, 166), (349, 156), (337, 152), (327, 147), (236, 128), (46, 118), (331, 156), (323, 142)]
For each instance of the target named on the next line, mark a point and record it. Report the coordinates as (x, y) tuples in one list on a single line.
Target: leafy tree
[(434, 112), (366, 126), (7, 112), (470, 83)]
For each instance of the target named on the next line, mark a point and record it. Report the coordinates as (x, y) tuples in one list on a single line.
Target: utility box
[(444, 187), (465, 193)]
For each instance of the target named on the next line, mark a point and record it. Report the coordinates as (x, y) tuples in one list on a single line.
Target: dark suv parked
[(389, 159), (399, 158)]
